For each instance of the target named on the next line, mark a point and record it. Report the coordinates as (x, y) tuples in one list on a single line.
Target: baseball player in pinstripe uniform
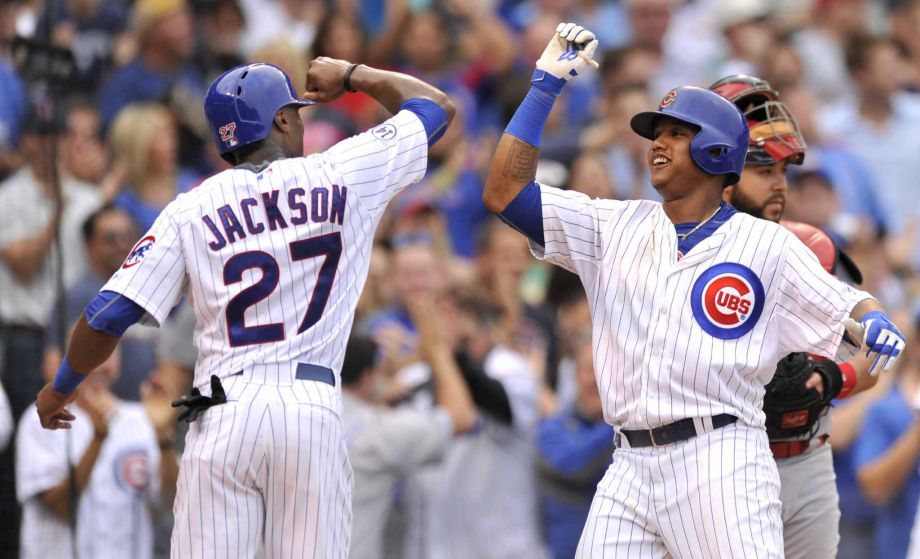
[(810, 503), (693, 305), (272, 255)]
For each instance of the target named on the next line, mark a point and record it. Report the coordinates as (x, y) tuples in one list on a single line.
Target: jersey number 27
[(328, 246)]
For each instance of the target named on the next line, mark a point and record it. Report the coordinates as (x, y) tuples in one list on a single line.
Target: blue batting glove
[(883, 338)]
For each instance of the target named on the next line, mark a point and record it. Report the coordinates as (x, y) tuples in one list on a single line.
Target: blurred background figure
[(108, 234), (387, 445), (888, 454), (822, 44), (575, 448), (33, 213), (124, 465), (95, 31), (144, 142), (481, 501)]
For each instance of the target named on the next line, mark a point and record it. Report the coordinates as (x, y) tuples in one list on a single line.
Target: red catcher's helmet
[(775, 134)]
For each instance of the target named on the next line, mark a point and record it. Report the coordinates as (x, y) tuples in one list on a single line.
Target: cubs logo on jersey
[(139, 252), (727, 300)]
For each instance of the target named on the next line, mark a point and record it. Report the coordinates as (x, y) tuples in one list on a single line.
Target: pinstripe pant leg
[(619, 524), (218, 510), (308, 494), (721, 496)]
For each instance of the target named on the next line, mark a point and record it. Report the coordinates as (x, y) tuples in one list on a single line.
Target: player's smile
[(659, 160)]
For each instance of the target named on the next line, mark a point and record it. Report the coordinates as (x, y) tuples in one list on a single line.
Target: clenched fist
[(325, 79)]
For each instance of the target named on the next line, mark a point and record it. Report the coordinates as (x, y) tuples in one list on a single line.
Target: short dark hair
[(859, 49), (360, 354), (475, 304), (485, 233), (564, 288), (89, 224), (613, 60)]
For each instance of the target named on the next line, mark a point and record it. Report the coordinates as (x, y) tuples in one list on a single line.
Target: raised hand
[(157, 402), (568, 52), (325, 79)]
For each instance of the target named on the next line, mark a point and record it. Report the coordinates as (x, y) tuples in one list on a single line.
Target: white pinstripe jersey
[(274, 262), (696, 336)]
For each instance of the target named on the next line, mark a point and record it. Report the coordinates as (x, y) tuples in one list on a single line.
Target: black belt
[(672, 433)]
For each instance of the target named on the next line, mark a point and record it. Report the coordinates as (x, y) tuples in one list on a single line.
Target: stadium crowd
[(452, 292)]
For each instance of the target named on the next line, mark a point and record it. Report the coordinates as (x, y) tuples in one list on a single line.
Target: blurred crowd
[(91, 153)]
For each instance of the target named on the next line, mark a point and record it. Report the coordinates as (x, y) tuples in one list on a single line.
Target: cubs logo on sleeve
[(139, 252), (727, 300)]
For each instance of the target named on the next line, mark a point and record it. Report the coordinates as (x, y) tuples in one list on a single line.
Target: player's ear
[(281, 120)]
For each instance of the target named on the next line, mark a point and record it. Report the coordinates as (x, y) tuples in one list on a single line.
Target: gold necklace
[(683, 236)]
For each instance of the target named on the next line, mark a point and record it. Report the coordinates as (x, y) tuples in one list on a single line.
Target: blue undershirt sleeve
[(432, 115), (112, 313), (525, 213)]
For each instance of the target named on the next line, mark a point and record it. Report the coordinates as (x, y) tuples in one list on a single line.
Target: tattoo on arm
[(521, 164)]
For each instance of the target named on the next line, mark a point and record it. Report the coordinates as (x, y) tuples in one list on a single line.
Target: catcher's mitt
[(792, 410)]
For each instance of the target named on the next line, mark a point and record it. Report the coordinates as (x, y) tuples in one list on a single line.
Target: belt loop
[(699, 425)]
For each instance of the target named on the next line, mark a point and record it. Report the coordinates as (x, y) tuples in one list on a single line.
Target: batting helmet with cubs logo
[(720, 144), (242, 102)]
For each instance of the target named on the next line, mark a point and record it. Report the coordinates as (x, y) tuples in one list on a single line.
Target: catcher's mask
[(774, 137), (775, 134)]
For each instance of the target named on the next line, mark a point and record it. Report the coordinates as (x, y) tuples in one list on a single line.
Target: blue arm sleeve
[(525, 213), (432, 115), (112, 313)]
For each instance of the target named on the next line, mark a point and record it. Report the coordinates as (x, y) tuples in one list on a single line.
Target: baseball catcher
[(796, 401)]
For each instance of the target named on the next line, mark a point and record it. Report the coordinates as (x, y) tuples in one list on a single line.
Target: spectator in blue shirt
[(575, 448), (163, 71), (93, 30), (888, 456)]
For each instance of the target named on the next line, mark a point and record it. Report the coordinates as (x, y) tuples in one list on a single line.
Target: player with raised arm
[(798, 398), (693, 305), (272, 255)]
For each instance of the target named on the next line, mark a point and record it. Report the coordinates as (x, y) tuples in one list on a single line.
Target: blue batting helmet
[(720, 145), (242, 102)]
